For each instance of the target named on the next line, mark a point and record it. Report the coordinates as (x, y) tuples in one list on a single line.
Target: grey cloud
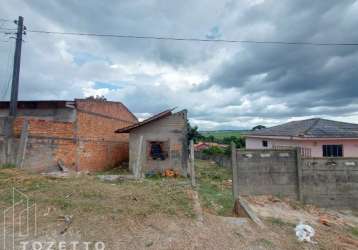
[(297, 75), (306, 80)]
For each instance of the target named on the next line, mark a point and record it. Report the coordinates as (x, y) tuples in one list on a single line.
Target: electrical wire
[(8, 28), (195, 39)]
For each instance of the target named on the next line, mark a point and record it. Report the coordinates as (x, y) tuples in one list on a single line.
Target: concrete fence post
[(137, 171), (299, 173), (235, 184), (192, 164), (21, 152)]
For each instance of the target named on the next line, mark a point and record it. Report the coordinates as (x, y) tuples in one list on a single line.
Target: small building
[(159, 143), (200, 146), (315, 137), (79, 133)]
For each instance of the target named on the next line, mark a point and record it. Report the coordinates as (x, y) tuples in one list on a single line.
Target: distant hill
[(219, 134)]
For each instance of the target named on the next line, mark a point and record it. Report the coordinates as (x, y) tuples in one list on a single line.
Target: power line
[(8, 28), (193, 39)]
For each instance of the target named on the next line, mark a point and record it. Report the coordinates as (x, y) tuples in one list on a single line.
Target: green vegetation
[(221, 134), (279, 222), (7, 165), (265, 243), (214, 188), (354, 231), (238, 139), (221, 137), (214, 150), (87, 195)]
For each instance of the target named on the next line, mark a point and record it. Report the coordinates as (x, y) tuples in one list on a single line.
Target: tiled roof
[(316, 127)]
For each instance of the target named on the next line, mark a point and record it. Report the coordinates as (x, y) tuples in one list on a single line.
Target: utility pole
[(16, 68)]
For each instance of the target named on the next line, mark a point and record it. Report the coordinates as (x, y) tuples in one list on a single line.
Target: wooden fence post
[(235, 184), (192, 164), (299, 173)]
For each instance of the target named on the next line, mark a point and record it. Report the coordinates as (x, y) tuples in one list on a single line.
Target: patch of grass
[(279, 222), (7, 165), (88, 196), (114, 171), (214, 195), (354, 231), (265, 243)]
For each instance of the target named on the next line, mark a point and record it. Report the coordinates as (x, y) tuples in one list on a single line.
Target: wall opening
[(157, 150)]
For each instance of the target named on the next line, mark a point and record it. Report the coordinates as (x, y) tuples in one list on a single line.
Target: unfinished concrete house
[(158, 143), (79, 133)]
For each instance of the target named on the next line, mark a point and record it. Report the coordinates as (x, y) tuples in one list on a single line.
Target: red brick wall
[(111, 109), (89, 143), (99, 147), (49, 141), (97, 155), (45, 128)]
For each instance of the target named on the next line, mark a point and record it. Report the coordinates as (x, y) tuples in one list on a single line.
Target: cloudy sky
[(224, 86)]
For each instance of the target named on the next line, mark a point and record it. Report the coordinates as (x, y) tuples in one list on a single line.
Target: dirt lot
[(157, 213)]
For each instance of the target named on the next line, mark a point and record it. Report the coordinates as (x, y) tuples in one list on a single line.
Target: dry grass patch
[(87, 194)]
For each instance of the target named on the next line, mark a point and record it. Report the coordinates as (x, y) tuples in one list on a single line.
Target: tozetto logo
[(17, 219), (20, 225), (61, 245)]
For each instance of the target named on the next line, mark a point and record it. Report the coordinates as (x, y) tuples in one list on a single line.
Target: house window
[(158, 150), (264, 144), (332, 150)]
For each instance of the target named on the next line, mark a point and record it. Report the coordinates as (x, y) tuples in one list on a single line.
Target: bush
[(214, 150)]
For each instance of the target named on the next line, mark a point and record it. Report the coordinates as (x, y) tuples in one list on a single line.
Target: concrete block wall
[(327, 182), (330, 182), (264, 172)]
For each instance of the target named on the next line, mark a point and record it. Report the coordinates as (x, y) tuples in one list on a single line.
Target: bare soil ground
[(158, 214)]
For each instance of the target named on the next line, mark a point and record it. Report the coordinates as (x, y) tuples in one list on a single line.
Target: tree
[(239, 141), (258, 127), (193, 133)]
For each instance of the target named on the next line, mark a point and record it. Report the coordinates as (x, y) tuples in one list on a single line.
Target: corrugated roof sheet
[(316, 127)]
